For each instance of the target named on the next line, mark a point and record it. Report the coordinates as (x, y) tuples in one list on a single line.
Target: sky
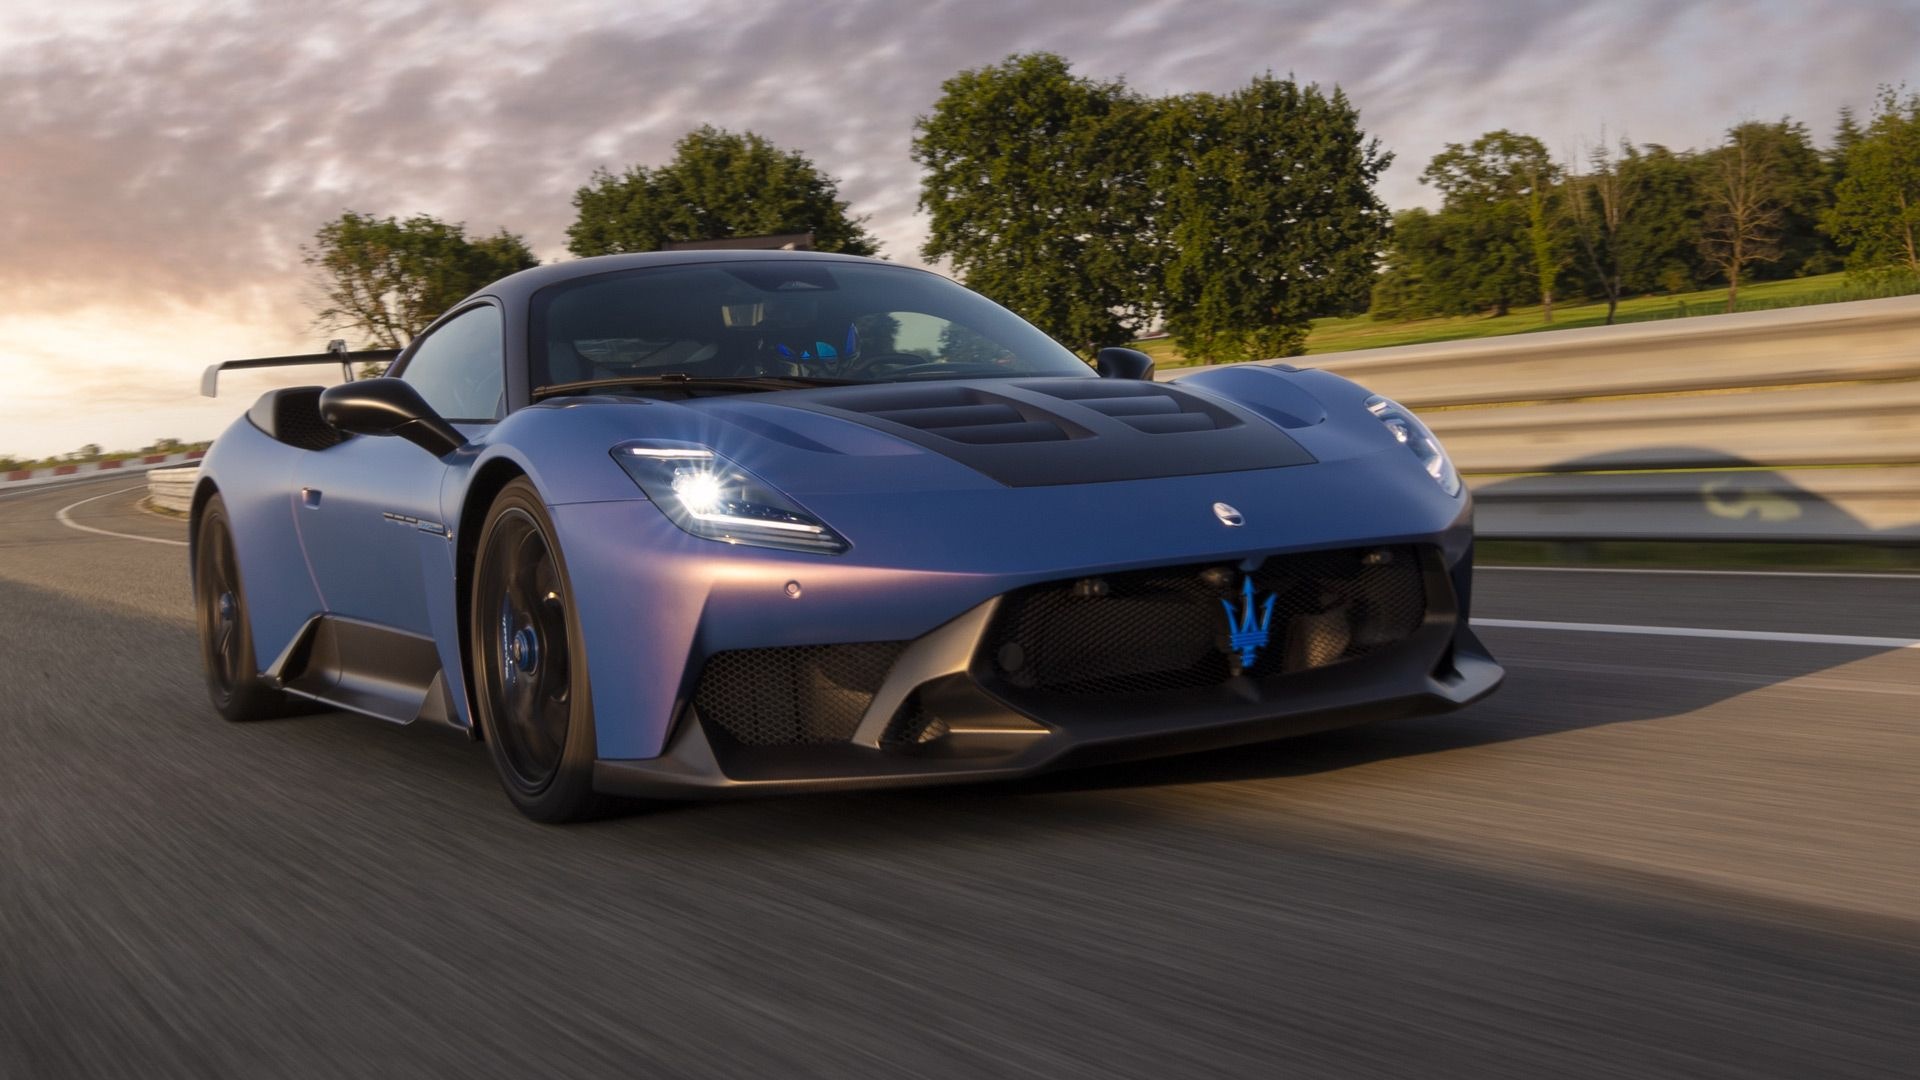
[(162, 163)]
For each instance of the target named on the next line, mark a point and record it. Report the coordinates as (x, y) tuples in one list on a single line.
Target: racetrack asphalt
[(1643, 857)]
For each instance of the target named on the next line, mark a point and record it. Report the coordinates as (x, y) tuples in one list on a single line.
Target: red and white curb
[(20, 478)]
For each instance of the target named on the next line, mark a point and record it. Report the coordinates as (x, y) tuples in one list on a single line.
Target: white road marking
[(1697, 632), (1709, 573), (1726, 678), (64, 518)]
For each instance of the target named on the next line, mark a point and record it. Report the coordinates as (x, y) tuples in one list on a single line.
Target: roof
[(523, 284), (800, 241)]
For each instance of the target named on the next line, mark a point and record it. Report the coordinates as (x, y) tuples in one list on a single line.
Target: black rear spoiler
[(336, 354)]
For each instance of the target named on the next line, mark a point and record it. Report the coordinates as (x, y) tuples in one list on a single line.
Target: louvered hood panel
[(1034, 432)]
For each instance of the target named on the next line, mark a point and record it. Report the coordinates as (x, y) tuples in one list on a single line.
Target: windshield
[(782, 318)]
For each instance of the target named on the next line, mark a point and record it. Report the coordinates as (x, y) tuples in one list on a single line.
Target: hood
[(975, 435), (999, 475), (1017, 432)]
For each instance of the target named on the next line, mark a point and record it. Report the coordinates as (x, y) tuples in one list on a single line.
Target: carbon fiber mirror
[(1118, 363), (389, 407)]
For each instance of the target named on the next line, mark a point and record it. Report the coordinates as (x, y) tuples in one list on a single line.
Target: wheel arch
[(488, 480), (203, 493)]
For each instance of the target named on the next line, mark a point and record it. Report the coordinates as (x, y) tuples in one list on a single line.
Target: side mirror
[(1117, 363), (389, 407)]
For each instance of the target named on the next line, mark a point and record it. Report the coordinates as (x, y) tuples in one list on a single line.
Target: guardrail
[(1795, 424), (57, 474), (172, 489)]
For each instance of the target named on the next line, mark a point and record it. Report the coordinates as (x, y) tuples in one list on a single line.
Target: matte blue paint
[(255, 477), (930, 538), (368, 566)]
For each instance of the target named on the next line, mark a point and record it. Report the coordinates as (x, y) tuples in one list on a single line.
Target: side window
[(459, 368)]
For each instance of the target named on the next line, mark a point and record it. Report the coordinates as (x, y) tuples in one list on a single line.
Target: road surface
[(1646, 856)]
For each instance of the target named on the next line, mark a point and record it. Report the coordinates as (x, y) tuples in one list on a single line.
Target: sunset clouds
[(160, 164)]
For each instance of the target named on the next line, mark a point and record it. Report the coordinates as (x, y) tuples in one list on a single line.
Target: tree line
[(1517, 227), (1231, 219), (93, 452)]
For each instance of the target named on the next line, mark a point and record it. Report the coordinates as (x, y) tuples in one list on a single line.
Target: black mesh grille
[(1167, 629), (299, 424), (292, 415), (795, 696)]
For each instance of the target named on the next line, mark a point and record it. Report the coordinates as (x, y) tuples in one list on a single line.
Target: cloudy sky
[(161, 163)]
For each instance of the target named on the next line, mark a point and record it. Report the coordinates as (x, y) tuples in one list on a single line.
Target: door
[(369, 508)]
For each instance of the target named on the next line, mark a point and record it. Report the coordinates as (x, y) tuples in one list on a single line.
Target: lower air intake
[(1151, 631), (804, 695)]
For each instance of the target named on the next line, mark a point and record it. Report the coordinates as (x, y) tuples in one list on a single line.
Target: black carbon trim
[(1038, 432), (292, 416)]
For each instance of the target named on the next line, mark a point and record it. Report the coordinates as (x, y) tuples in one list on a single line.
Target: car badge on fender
[(1247, 633), (1228, 516)]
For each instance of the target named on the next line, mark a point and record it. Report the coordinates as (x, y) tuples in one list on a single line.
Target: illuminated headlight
[(709, 496), (1414, 435)]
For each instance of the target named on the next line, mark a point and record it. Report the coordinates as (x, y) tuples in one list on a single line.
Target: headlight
[(1414, 435), (711, 497)]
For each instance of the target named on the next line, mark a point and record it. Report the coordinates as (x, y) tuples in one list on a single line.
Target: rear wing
[(336, 353)]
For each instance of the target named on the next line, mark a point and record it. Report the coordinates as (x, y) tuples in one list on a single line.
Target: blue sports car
[(702, 522)]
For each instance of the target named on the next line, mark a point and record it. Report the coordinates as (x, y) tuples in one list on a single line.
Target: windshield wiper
[(749, 384)]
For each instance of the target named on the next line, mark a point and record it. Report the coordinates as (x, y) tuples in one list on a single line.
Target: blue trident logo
[(1247, 634)]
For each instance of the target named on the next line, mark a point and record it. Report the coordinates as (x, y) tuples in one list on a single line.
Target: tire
[(531, 697), (226, 633)]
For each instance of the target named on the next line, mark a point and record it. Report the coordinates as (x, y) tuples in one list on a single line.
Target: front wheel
[(226, 634), (530, 670)]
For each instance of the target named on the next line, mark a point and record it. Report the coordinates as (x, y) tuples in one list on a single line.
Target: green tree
[(1659, 251), (1498, 221), (1876, 210), (1036, 182), (719, 184), (1803, 189), (1273, 220), (1457, 261), (1847, 134), (1600, 203), (387, 279), (1401, 290), (1744, 189)]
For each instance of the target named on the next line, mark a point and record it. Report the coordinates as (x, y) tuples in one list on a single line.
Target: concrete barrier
[(172, 489)]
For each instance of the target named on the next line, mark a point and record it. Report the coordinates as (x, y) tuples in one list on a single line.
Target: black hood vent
[(1032, 432), (962, 414), (1143, 406)]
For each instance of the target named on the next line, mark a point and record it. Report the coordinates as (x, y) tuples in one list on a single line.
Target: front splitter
[(691, 769)]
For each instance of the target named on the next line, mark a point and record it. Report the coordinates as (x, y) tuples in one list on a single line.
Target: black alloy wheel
[(530, 675), (226, 636)]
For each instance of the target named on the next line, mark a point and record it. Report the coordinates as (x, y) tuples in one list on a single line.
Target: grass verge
[(1362, 332), (152, 507)]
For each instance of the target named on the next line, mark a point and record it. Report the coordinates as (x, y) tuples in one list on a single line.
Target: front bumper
[(941, 715)]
